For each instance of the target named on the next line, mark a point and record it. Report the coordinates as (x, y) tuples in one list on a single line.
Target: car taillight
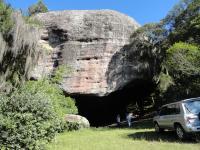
[(191, 119)]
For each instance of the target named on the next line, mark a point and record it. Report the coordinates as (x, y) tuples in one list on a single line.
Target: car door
[(173, 115), (162, 117), (167, 117)]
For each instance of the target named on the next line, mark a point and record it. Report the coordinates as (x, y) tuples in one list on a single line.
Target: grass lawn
[(140, 137)]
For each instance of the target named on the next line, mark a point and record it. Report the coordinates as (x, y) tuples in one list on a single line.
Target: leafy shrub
[(183, 58), (37, 8), (26, 120), (58, 75), (62, 104), (33, 114), (71, 126)]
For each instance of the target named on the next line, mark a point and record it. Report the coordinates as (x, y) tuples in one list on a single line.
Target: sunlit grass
[(120, 139)]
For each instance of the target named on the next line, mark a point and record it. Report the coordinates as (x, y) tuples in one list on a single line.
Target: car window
[(193, 106), (163, 111), (172, 109), (178, 109)]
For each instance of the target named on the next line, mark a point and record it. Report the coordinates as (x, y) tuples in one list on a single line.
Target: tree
[(5, 18), (170, 19), (146, 42), (183, 22), (40, 7), (180, 77), (180, 69), (183, 60)]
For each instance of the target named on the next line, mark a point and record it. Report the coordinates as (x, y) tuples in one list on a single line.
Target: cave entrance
[(102, 111)]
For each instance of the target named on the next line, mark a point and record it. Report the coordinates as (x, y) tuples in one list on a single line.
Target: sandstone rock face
[(93, 44), (81, 121)]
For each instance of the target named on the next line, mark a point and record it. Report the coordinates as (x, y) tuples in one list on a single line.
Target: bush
[(27, 120), (58, 74), (183, 59), (71, 126), (33, 114), (62, 104), (37, 8)]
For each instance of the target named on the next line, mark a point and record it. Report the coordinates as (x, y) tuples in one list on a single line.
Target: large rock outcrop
[(94, 45)]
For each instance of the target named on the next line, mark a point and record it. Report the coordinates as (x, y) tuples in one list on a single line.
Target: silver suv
[(182, 116)]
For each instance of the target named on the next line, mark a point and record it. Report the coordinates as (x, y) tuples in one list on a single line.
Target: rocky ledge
[(93, 43)]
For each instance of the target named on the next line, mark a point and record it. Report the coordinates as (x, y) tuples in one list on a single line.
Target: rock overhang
[(94, 43)]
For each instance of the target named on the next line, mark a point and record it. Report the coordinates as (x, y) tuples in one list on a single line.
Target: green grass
[(140, 137)]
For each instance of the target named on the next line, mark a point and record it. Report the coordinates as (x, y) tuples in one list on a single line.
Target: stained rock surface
[(94, 44)]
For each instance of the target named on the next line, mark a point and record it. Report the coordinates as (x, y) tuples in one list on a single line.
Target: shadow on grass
[(144, 124), (167, 136)]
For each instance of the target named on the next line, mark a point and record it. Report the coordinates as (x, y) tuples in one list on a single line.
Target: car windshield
[(193, 106)]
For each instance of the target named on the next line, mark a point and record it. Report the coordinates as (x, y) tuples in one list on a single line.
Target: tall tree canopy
[(183, 22), (39, 7), (181, 63)]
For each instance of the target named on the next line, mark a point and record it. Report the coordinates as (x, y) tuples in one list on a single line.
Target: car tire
[(157, 128), (180, 132)]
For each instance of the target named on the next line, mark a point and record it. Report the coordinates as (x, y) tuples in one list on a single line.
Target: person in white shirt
[(128, 119), (118, 120)]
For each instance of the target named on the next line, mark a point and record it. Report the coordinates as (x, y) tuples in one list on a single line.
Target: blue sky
[(144, 11)]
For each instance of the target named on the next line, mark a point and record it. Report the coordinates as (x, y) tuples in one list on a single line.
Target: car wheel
[(157, 128), (180, 132)]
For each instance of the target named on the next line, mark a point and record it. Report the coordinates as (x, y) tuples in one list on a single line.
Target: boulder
[(82, 121), (93, 43)]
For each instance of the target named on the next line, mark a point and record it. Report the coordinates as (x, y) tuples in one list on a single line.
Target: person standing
[(118, 120), (128, 118)]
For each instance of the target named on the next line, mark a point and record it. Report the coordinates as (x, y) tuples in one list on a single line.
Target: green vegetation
[(40, 7), (171, 48), (5, 18), (33, 22), (62, 104), (183, 60), (165, 81), (33, 114), (146, 42), (141, 137), (19, 48), (181, 52), (27, 120), (184, 22), (179, 77), (58, 75)]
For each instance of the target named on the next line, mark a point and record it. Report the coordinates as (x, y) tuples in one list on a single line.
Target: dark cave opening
[(102, 111)]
